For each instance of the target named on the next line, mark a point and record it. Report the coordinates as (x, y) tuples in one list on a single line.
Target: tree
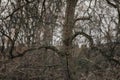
[(36, 24)]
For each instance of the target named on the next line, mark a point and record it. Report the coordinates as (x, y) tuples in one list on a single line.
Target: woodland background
[(59, 40)]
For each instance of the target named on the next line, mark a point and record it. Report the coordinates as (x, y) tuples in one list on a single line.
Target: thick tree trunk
[(67, 33)]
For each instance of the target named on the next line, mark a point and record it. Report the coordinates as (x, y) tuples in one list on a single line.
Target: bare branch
[(53, 48), (109, 58), (6, 36), (82, 18), (18, 9), (110, 3), (83, 34)]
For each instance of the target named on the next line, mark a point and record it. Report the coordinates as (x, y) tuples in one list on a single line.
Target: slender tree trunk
[(67, 33)]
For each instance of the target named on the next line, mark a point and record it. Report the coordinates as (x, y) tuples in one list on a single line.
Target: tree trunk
[(67, 33)]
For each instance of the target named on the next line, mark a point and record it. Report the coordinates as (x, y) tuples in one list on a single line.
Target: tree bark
[(67, 33)]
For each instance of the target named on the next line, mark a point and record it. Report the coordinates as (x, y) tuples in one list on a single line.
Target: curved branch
[(53, 48), (94, 47), (85, 35)]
